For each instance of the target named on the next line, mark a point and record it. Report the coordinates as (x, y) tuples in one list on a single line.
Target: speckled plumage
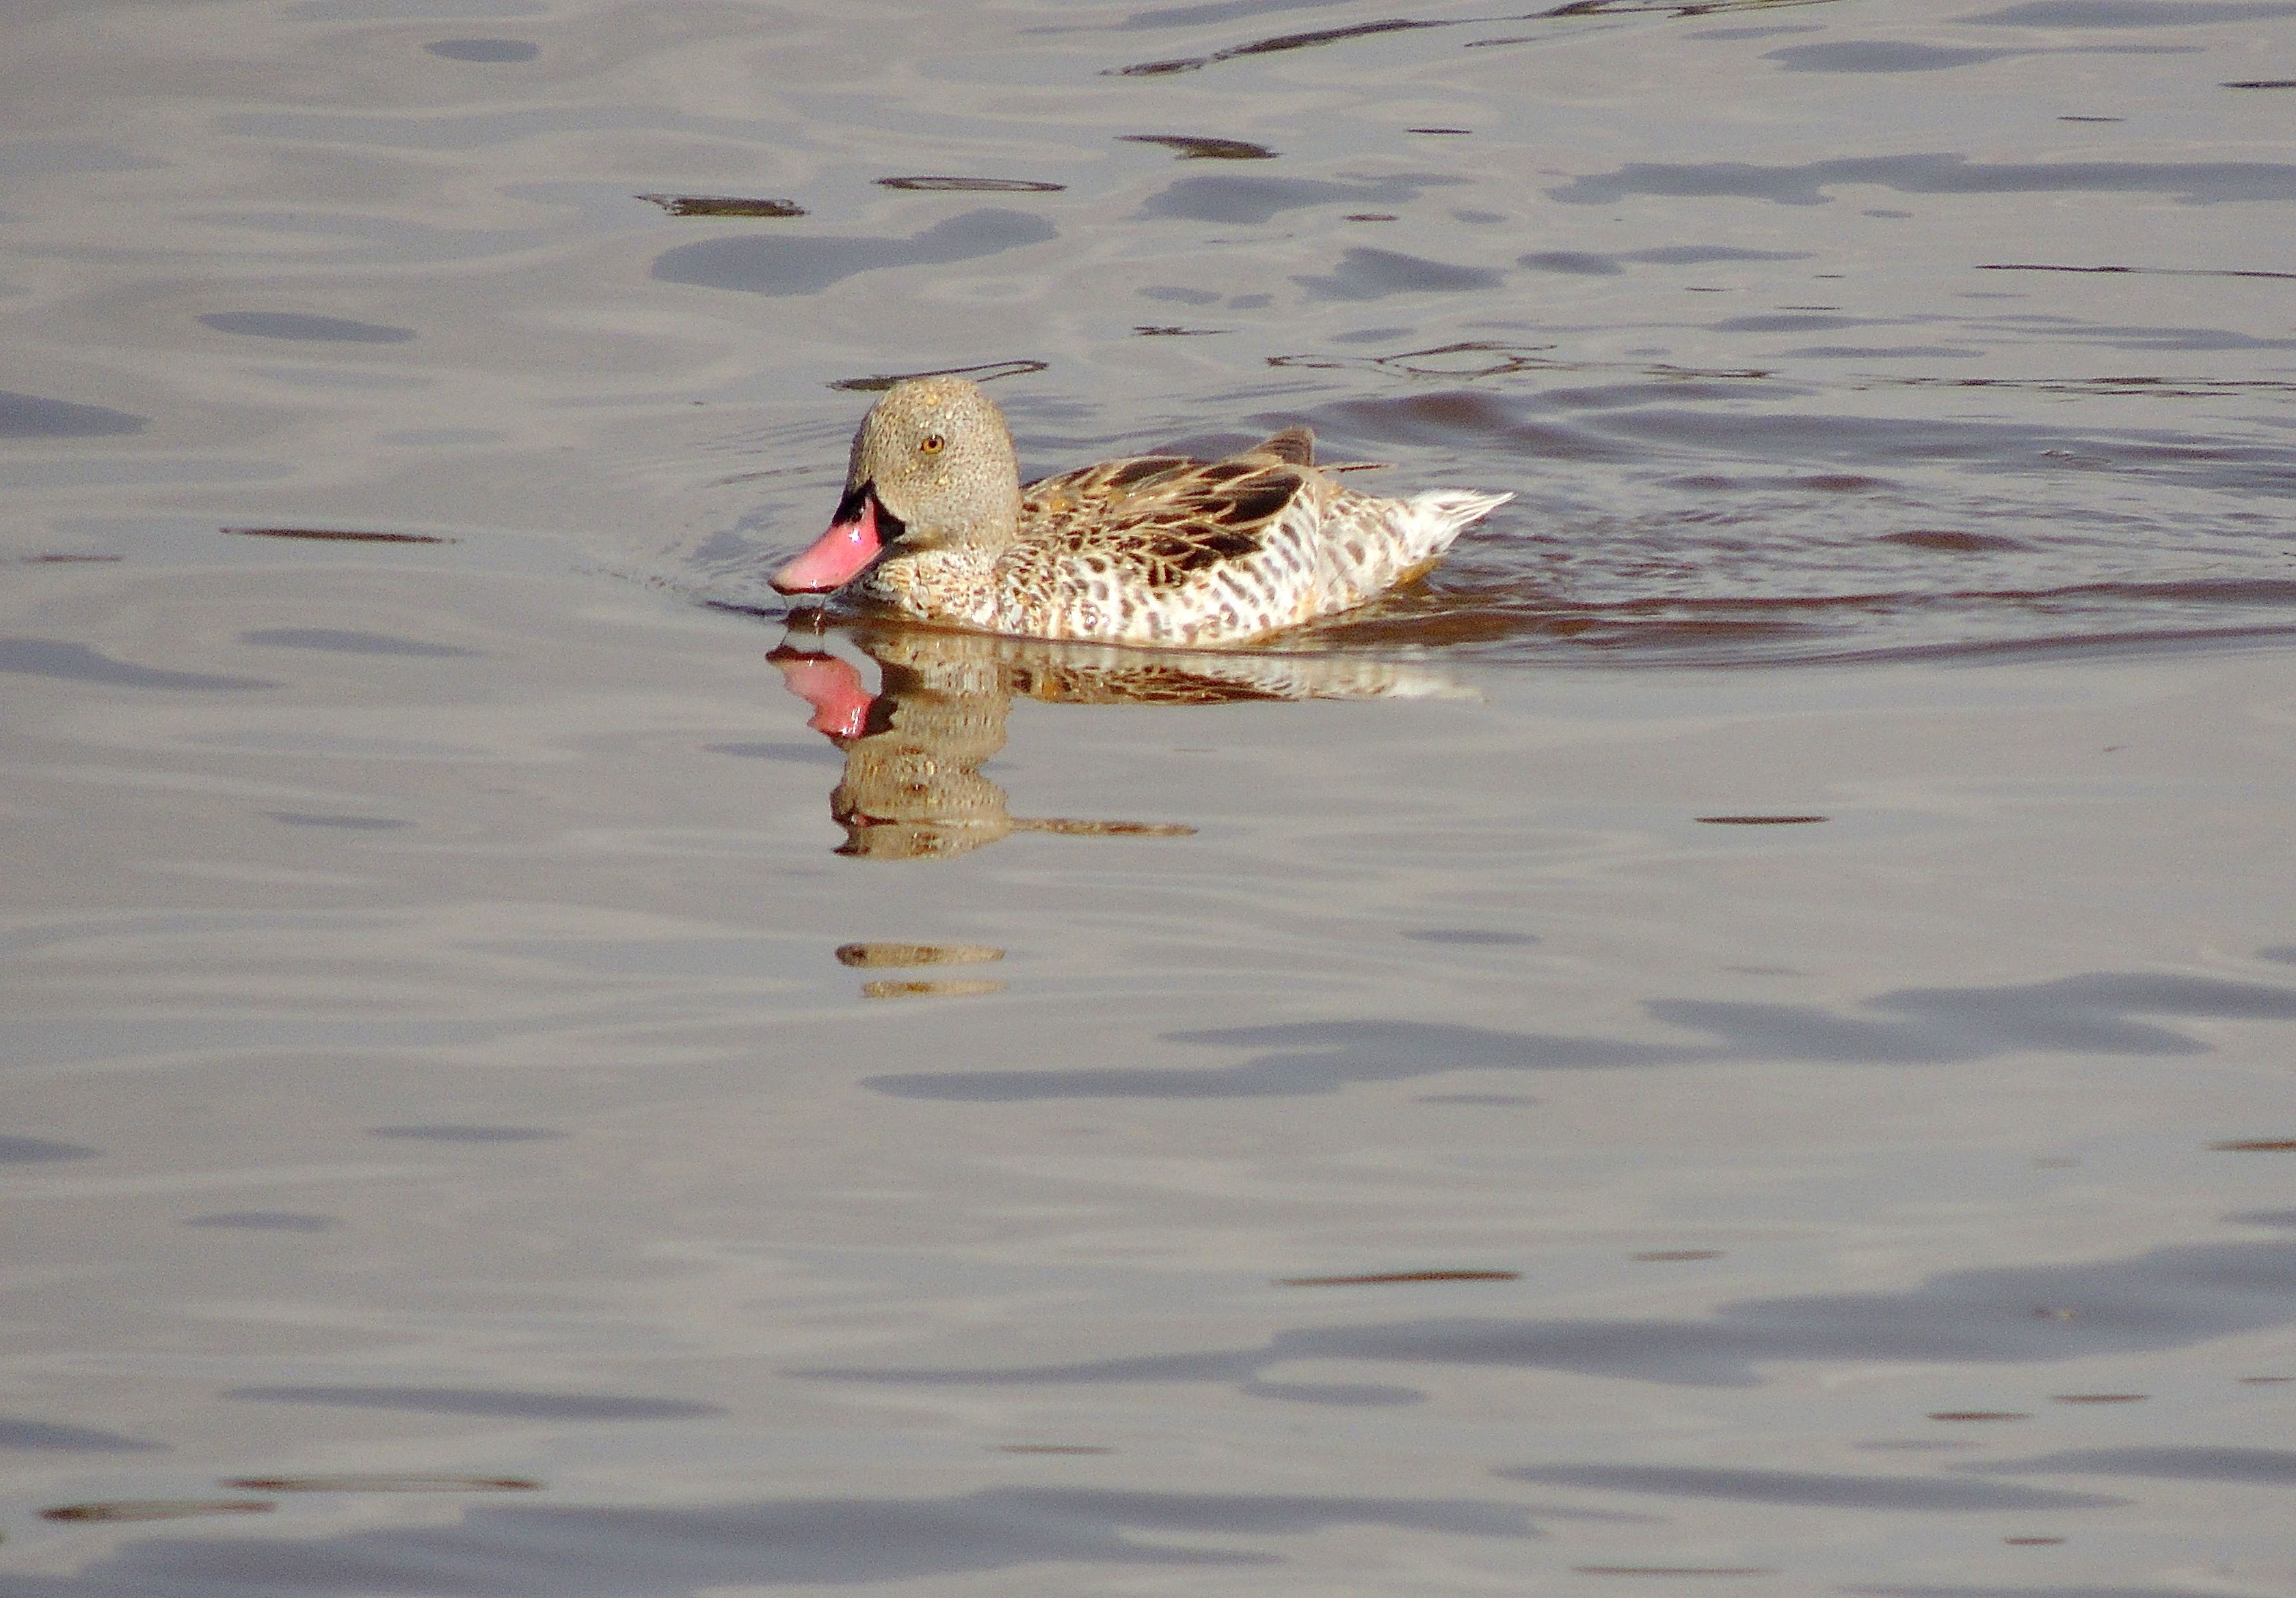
[(1157, 550)]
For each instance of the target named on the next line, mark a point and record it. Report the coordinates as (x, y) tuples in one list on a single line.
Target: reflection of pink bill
[(841, 704)]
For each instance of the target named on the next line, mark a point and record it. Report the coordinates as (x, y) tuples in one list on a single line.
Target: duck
[(1159, 550)]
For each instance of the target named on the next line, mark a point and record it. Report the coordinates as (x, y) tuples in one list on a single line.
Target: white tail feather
[(1438, 516)]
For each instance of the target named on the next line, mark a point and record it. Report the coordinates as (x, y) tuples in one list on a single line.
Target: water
[(1738, 1036)]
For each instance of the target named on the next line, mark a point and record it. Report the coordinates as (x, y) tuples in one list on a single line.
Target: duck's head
[(932, 468)]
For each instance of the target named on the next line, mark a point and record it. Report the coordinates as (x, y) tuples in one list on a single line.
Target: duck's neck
[(951, 584)]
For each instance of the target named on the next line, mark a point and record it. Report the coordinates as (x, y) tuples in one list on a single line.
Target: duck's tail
[(1438, 516), (1372, 544)]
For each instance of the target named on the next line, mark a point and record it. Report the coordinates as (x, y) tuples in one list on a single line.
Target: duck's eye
[(931, 443)]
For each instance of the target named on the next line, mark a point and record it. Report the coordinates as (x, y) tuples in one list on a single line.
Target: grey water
[(1739, 1034)]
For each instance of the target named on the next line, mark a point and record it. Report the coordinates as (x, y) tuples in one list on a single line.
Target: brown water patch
[(1398, 1278), (385, 1482), (987, 374), (1759, 820), (1978, 1414), (2255, 1145), (1673, 1256), (1950, 540), (916, 954), (929, 989), (156, 1509), (2098, 1397), (1372, 216), (1193, 147), (71, 560), (723, 205), (1067, 828), (336, 535), (972, 185)]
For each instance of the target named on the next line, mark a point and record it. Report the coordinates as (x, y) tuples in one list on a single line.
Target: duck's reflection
[(912, 788)]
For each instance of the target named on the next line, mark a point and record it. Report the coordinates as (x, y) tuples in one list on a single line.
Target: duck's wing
[(1295, 444), (1164, 521)]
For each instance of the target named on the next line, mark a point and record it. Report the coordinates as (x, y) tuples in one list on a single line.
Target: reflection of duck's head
[(912, 788), (932, 467)]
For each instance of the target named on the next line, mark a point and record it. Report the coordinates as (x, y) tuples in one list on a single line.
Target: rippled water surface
[(1739, 1035)]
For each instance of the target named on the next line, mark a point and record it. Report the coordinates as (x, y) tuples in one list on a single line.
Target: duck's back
[(1167, 550)]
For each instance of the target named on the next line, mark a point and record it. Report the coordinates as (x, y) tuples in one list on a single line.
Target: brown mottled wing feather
[(1160, 519), (1294, 445)]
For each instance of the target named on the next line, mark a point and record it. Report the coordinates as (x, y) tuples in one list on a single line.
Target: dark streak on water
[(608, 1552), (2169, 1298), (42, 1436), (1920, 1494), (2097, 1013), (352, 640), (295, 325), (32, 417), (469, 1133), (77, 663), (267, 1220), (1195, 147), (497, 1402), (36, 1151), (794, 263), (878, 382), (724, 205), (336, 535)]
